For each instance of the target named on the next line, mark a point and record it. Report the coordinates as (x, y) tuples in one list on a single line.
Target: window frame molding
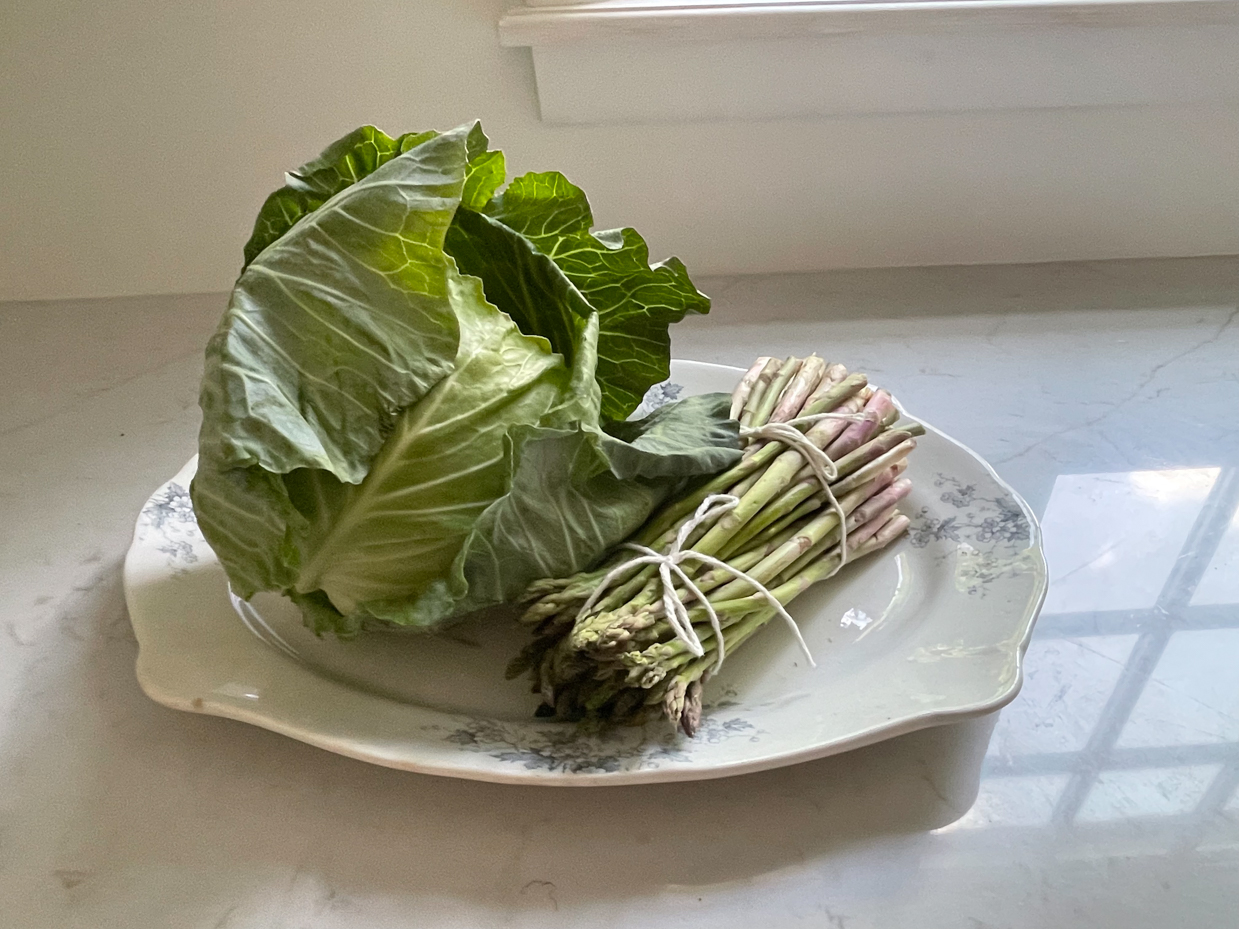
[(555, 23), (633, 61)]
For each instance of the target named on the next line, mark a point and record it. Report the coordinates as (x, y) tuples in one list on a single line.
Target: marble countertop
[(1105, 796)]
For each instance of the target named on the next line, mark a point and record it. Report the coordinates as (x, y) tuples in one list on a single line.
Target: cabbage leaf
[(635, 302)]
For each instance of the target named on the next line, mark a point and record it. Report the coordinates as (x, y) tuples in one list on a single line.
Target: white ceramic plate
[(931, 630)]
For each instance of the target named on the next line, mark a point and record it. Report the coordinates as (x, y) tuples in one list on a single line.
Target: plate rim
[(462, 768)]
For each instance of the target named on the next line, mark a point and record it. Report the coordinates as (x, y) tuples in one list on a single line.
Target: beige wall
[(139, 138)]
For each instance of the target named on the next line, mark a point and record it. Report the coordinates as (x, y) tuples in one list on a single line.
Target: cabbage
[(412, 406)]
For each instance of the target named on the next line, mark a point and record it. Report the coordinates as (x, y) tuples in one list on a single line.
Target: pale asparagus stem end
[(767, 374), (802, 385), (787, 371), (745, 387)]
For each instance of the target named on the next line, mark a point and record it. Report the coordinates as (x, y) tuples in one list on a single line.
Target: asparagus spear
[(760, 384), (745, 387)]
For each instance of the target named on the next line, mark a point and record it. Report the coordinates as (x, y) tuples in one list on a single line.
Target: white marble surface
[(1105, 796)]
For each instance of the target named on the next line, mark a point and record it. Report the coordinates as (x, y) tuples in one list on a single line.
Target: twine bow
[(669, 568)]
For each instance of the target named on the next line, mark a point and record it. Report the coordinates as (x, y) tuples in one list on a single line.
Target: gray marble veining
[(1105, 796)]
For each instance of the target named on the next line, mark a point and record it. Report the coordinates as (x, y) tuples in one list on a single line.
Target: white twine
[(711, 507), (822, 465)]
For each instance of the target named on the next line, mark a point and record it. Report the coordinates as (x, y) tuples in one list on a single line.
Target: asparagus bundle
[(604, 646)]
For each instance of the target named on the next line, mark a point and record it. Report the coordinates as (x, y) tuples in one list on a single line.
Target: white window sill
[(620, 61)]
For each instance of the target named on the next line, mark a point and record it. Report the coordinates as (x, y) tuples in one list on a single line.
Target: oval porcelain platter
[(930, 630)]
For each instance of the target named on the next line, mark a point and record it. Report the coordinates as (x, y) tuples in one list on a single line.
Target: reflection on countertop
[(1106, 795), (1130, 709)]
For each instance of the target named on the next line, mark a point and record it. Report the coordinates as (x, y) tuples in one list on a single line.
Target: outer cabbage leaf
[(330, 332), (246, 515), (575, 492), (635, 302), (305, 189), (355, 156), (344, 322), (441, 466), (692, 436)]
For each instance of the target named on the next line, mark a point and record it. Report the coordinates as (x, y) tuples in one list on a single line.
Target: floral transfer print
[(169, 515), (985, 520), (989, 536), (656, 396), (566, 748)]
